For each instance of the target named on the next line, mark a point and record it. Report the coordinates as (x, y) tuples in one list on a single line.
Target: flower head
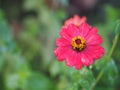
[(75, 20), (79, 45)]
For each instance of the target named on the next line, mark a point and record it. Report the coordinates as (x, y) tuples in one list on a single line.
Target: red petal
[(84, 29), (62, 42), (70, 59), (65, 34), (61, 53), (95, 51), (75, 20), (86, 59), (78, 63), (94, 39), (92, 31), (69, 32), (73, 30)]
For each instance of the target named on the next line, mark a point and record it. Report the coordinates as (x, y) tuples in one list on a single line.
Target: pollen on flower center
[(78, 43), (77, 24)]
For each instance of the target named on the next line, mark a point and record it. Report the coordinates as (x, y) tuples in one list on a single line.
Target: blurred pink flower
[(79, 45), (75, 20)]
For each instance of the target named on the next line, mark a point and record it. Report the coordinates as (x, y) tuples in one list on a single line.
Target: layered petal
[(70, 59), (78, 62), (62, 42), (66, 34), (86, 58), (95, 51), (76, 20), (93, 38), (69, 32), (84, 29), (62, 52)]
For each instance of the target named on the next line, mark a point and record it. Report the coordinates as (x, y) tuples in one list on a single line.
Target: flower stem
[(113, 46), (107, 59)]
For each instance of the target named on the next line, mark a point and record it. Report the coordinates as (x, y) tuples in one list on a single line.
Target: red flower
[(79, 45), (75, 20)]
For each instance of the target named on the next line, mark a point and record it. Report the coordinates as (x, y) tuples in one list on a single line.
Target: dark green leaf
[(38, 81), (84, 77), (110, 73), (117, 28)]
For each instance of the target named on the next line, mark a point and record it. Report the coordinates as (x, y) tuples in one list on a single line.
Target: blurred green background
[(28, 30)]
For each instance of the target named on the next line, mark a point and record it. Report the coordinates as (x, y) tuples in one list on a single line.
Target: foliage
[(27, 61)]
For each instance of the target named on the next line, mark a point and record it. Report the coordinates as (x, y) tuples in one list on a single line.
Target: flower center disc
[(78, 43)]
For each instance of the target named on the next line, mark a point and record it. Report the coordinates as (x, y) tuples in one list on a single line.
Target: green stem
[(113, 47), (107, 58)]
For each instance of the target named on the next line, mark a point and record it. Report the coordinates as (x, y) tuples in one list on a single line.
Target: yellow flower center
[(78, 43), (77, 24)]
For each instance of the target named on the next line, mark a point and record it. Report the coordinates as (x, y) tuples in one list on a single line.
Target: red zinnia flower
[(75, 20), (79, 45)]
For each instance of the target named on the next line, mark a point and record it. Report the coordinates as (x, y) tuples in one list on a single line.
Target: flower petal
[(76, 20), (92, 31), (95, 51), (84, 29), (62, 42), (93, 38), (62, 52), (78, 63), (86, 59), (65, 34), (74, 30), (69, 32), (70, 59)]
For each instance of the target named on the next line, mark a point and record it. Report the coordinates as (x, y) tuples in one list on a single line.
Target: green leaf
[(112, 13), (38, 81), (55, 68), (33, 5), (64, 83), (11, 81), (1, 61), (104, 88), (17, 71), (112, 73), (117, 29), (31, 26), (1, 14), (84, 77)]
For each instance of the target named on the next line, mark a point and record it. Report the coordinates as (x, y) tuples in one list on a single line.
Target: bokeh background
[(28, 30)]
